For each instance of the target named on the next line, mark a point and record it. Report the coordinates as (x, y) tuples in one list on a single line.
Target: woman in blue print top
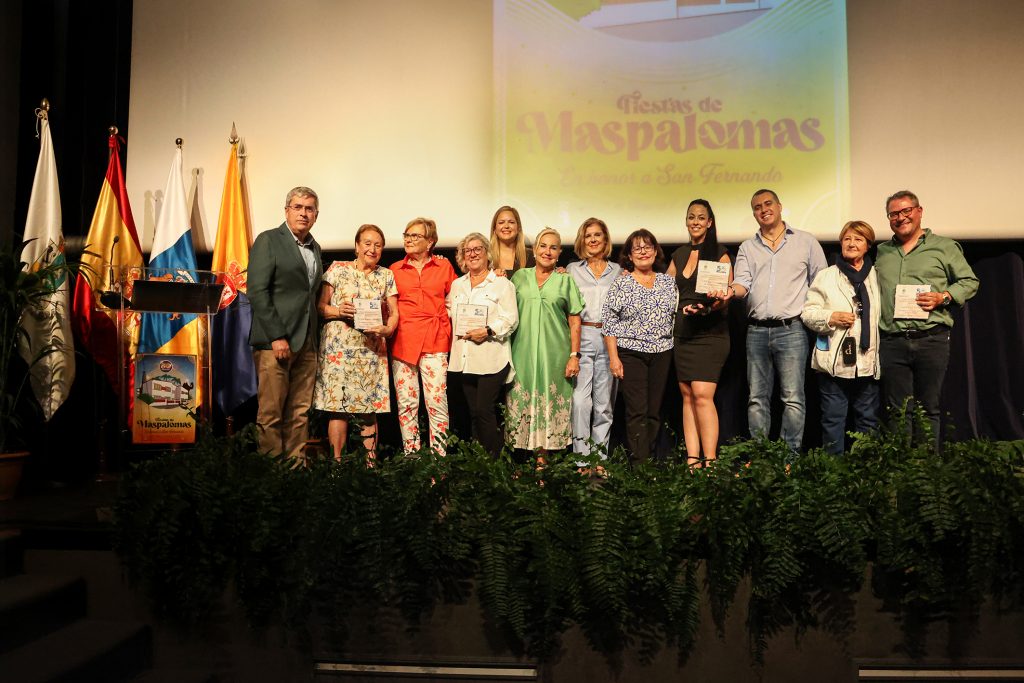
[(638, 316)]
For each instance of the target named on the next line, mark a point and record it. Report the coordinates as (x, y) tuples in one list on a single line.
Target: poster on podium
[(165, 399)]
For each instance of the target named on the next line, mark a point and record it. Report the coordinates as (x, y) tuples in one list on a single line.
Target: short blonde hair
[(861, 228), (580, 247), (460, 250), (429, 228), (540, 236)]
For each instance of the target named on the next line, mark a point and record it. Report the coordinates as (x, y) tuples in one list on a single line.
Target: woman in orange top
[(419, 349)]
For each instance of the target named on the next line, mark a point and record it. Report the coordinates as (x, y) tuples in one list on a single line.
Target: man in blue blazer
[(284, 276)]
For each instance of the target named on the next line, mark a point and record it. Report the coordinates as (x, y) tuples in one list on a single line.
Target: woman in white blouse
[(483, 310)]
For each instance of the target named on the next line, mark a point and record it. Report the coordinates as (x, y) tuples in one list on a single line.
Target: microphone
[(112, 298), (110, 263)]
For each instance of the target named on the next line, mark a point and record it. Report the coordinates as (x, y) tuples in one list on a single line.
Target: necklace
[(770, 240)]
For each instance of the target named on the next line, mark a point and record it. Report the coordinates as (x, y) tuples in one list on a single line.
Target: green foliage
[(621, 556), (949, 527)]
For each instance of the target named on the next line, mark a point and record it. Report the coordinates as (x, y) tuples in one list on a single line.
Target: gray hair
[(301, 191)]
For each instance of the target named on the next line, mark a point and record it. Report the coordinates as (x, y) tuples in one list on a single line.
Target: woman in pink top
[(419, 349)]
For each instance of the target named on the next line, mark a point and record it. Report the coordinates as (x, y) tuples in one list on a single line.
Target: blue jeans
[(837, 395), (593, 398), (782, 351)]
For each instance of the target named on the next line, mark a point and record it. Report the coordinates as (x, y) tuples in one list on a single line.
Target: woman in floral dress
[(352, 376), (545, 351)]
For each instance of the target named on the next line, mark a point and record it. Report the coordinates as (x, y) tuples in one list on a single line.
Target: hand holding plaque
[(712, 276), (906, 306), (368, 314), (469, 317)]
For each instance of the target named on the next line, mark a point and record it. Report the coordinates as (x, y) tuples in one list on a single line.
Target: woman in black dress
[(701, 333)]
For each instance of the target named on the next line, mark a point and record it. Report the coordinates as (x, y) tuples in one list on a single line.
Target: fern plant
[(627, 557)]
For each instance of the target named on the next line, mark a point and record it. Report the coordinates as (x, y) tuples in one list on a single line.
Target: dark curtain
[(984, 391), (78, 56)]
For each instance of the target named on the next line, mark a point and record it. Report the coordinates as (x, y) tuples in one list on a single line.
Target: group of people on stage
[(551, 347)]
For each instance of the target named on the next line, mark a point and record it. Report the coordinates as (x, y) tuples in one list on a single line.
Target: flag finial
[(178, 142), (44, 108), (234, 134), (112, 130)]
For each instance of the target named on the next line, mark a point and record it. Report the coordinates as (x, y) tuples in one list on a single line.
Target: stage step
[(87, 650), (11, 552), (33, 605), (386, 672), (175, 676), (935, 673)]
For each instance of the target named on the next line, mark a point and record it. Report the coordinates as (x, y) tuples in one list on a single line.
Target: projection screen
[(621, 109)]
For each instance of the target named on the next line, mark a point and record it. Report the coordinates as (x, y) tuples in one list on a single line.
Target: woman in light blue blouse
[(638, 315), (593, 398)]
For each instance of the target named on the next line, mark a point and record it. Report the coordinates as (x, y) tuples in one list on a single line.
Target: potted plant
[(21, 290)]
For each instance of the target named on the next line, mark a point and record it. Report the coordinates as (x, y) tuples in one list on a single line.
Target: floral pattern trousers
[(432, 369)]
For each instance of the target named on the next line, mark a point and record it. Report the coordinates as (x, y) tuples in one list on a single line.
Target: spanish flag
[(112, 245), (234, 373)]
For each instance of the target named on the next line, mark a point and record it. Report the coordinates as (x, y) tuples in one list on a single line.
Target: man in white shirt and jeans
[(774, 269)]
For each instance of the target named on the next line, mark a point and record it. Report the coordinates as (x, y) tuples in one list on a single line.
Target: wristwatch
[(490, 332), (946, 299), (575, 354)]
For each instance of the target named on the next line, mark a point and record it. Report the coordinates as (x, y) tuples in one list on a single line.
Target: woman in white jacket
[(842, 308)]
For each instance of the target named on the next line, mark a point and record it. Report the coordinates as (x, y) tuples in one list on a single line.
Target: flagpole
[(205, 349), (229, 420), (103, 466)]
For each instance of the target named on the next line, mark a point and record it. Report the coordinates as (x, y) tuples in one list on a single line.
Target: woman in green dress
[(545, 351)]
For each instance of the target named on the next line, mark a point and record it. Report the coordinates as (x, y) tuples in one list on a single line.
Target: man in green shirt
[(921, 275)]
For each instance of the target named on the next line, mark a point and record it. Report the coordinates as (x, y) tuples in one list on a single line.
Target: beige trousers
[(285, 393)]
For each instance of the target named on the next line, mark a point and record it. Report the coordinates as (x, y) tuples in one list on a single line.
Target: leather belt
[(916, 334), (592, 324), (772, 322)]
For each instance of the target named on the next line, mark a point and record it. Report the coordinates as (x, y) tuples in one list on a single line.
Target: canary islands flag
[(173, 258)]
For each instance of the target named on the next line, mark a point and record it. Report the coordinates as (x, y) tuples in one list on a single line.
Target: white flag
[(48, 348)]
